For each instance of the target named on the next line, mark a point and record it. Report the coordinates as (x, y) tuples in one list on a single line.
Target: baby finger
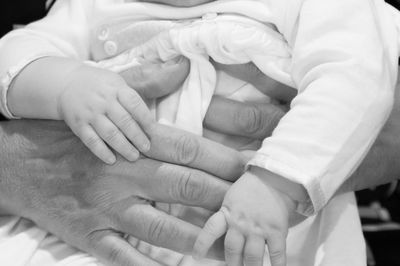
[(254, 251), (277, 250), (234, 243), (214, 228), (124, 121), (113, 137), (135, 105), (95, 144)]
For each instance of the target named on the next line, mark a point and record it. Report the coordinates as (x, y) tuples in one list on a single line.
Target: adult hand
[(257, 121), (247, 119), (153, 80), (49, 177)]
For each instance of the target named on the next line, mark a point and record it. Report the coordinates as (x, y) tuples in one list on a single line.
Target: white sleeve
[(345, 68), (63, 32)]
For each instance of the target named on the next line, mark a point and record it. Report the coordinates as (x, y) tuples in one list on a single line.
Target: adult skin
[(48, 176)]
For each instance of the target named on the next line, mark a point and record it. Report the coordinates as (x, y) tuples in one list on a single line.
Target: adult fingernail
[(133, 156), (111, 160)]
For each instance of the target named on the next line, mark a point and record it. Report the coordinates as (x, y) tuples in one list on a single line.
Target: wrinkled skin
[(49, 177)]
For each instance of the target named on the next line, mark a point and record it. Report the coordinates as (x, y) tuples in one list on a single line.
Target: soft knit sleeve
[(344, 66), (63, 32)]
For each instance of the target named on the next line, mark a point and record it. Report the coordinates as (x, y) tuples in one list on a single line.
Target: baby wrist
[(294, 191)]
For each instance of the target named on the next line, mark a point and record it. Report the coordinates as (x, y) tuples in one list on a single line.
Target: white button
[(103, 34), (110, 48), (210, 15)]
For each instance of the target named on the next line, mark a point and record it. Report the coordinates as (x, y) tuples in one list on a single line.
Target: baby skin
[(104, 109), (253, 213)]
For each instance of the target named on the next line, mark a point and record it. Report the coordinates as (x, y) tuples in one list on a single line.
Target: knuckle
[(231, 249), (273, 118), (251, 258), (125, 121), (258, 121), (173, 233), (92, 141), (156, 229), (191, 188), (249, 119), (111, 134), (133, 100), (186, 150), (277, 258)]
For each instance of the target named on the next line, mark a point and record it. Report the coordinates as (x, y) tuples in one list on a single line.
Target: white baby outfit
[(343, 63)]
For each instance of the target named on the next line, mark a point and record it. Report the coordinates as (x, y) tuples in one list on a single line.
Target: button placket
[(103, 34), (111, 48)]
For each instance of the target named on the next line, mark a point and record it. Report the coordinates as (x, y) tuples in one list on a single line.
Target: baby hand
[(101, 109), (253, 214)]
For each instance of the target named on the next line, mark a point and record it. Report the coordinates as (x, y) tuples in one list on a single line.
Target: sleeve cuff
[(315, 200), (6, 81)]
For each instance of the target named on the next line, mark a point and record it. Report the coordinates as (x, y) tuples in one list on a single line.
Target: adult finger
[(128, 126), (169, 183), (250, 73), (181, 3), (95, 144), (113, 137), (234, 243), (254, 251), (115, 250), (214, 228), (155, 227), (136, 107), (253, 120), (153, 79), (184, 148), (277, 250)]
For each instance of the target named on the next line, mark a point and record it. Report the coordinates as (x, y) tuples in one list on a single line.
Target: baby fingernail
[(146, 146)]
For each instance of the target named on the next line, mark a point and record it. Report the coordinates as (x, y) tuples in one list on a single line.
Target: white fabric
[(342, 62), (339, 57)]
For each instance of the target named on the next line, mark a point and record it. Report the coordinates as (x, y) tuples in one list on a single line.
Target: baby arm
[(253, 213), (344, 68), (97, 104), (47, 80)]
